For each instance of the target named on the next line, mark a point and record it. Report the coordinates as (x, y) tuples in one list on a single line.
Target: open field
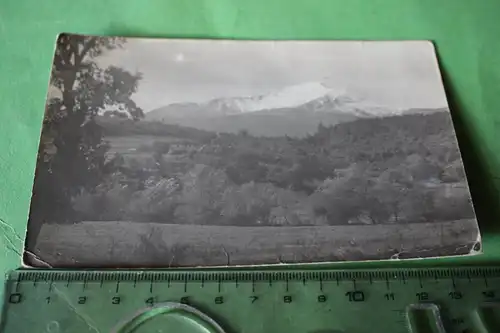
[(130, 144), (126, 244)]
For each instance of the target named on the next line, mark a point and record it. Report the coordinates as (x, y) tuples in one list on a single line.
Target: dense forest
[(397, 169)]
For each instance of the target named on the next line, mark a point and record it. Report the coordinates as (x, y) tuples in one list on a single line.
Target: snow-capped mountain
[(288, 97), (293, 111), (314, 96)]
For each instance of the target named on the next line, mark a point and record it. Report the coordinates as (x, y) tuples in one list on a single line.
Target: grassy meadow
[(162, 245)]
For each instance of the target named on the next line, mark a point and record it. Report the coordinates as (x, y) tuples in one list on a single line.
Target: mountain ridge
[(309, 93), (294, 111)]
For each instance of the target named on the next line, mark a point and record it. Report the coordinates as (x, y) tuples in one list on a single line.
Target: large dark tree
[(71, 155)]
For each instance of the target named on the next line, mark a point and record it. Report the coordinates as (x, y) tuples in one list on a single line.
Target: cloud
[(402, 74)]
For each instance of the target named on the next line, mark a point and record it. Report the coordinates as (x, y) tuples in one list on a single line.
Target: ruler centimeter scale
[(433, 300)]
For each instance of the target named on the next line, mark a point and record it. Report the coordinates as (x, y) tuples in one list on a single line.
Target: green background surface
[(466, 34)]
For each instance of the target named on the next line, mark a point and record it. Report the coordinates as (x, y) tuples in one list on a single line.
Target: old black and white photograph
[(187, 153)]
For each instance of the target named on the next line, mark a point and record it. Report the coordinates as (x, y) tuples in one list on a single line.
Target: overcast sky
[(398, 74)]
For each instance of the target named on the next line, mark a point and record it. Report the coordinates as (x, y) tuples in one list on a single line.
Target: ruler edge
[(242, 275)]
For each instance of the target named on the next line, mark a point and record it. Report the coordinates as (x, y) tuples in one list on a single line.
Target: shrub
[(158, 253)]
